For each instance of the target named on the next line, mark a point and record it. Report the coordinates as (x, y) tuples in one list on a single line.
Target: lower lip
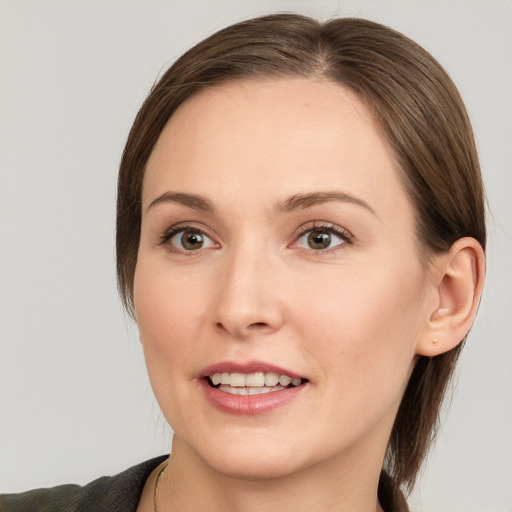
[(249, 405)]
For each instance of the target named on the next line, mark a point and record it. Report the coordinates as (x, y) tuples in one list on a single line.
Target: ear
[(458, 278)]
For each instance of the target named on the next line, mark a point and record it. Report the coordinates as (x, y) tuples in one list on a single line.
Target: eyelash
[(342, 233)]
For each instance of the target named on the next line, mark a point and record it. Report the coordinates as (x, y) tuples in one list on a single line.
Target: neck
[(332, 486)]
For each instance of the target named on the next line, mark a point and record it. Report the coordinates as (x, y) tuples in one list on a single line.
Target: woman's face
[(277, 240)]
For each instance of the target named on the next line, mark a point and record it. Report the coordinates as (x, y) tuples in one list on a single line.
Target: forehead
[(261, 138)]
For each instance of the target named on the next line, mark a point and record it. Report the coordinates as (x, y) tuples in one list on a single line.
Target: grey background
[(75, 402)]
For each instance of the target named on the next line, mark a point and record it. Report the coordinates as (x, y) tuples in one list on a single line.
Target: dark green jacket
[(120, 493)]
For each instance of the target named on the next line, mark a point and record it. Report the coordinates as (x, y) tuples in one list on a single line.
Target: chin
[(251, 460), (255, 468)]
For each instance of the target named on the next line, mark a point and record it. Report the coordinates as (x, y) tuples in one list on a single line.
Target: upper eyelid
[(171, 231), (187, 225), (328, 226)]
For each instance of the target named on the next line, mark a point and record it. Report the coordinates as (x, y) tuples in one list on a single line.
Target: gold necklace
[(158, 477)]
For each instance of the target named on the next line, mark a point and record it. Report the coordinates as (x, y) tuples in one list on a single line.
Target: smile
[(250, 388), (255, 383)]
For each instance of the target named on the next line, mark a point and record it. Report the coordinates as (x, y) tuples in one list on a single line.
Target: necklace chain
[(158, 477)]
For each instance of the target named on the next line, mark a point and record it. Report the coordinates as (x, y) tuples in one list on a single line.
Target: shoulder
[(120, 492)]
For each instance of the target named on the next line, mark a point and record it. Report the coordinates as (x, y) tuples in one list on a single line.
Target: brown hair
[(421, 113)]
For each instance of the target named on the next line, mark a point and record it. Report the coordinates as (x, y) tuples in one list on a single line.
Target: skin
[(349, 318)]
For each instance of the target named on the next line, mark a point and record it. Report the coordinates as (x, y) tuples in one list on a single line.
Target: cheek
[(361, 337), (365, 328), (170, 316), (163, 300)]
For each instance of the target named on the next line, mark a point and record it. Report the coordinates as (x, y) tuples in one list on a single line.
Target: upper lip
[(247, 367)]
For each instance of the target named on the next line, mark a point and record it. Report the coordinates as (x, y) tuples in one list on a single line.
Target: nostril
[(258, 325)]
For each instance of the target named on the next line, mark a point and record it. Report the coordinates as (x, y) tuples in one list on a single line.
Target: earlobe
[(459, 276)]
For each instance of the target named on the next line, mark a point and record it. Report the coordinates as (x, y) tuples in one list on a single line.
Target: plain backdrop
[(75, 402)]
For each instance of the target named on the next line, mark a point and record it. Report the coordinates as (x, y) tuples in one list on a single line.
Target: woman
[(300, 237)]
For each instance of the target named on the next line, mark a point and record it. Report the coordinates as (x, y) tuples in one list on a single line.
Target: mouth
[(250, 388), (256, 383)]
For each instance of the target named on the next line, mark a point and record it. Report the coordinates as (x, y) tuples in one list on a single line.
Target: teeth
[(249, 390), (258, 381), (271, 379), (260, 390), (237, 379), (284, 380)]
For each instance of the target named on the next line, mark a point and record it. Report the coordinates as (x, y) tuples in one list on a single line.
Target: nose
[(248, 300)]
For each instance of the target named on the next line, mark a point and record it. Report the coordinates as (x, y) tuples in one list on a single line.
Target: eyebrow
[(296, 202), (302, 201), (191, 200)]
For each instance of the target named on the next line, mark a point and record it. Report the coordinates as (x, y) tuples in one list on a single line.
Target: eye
[(186, 239), (190, 240), (322, 238)]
